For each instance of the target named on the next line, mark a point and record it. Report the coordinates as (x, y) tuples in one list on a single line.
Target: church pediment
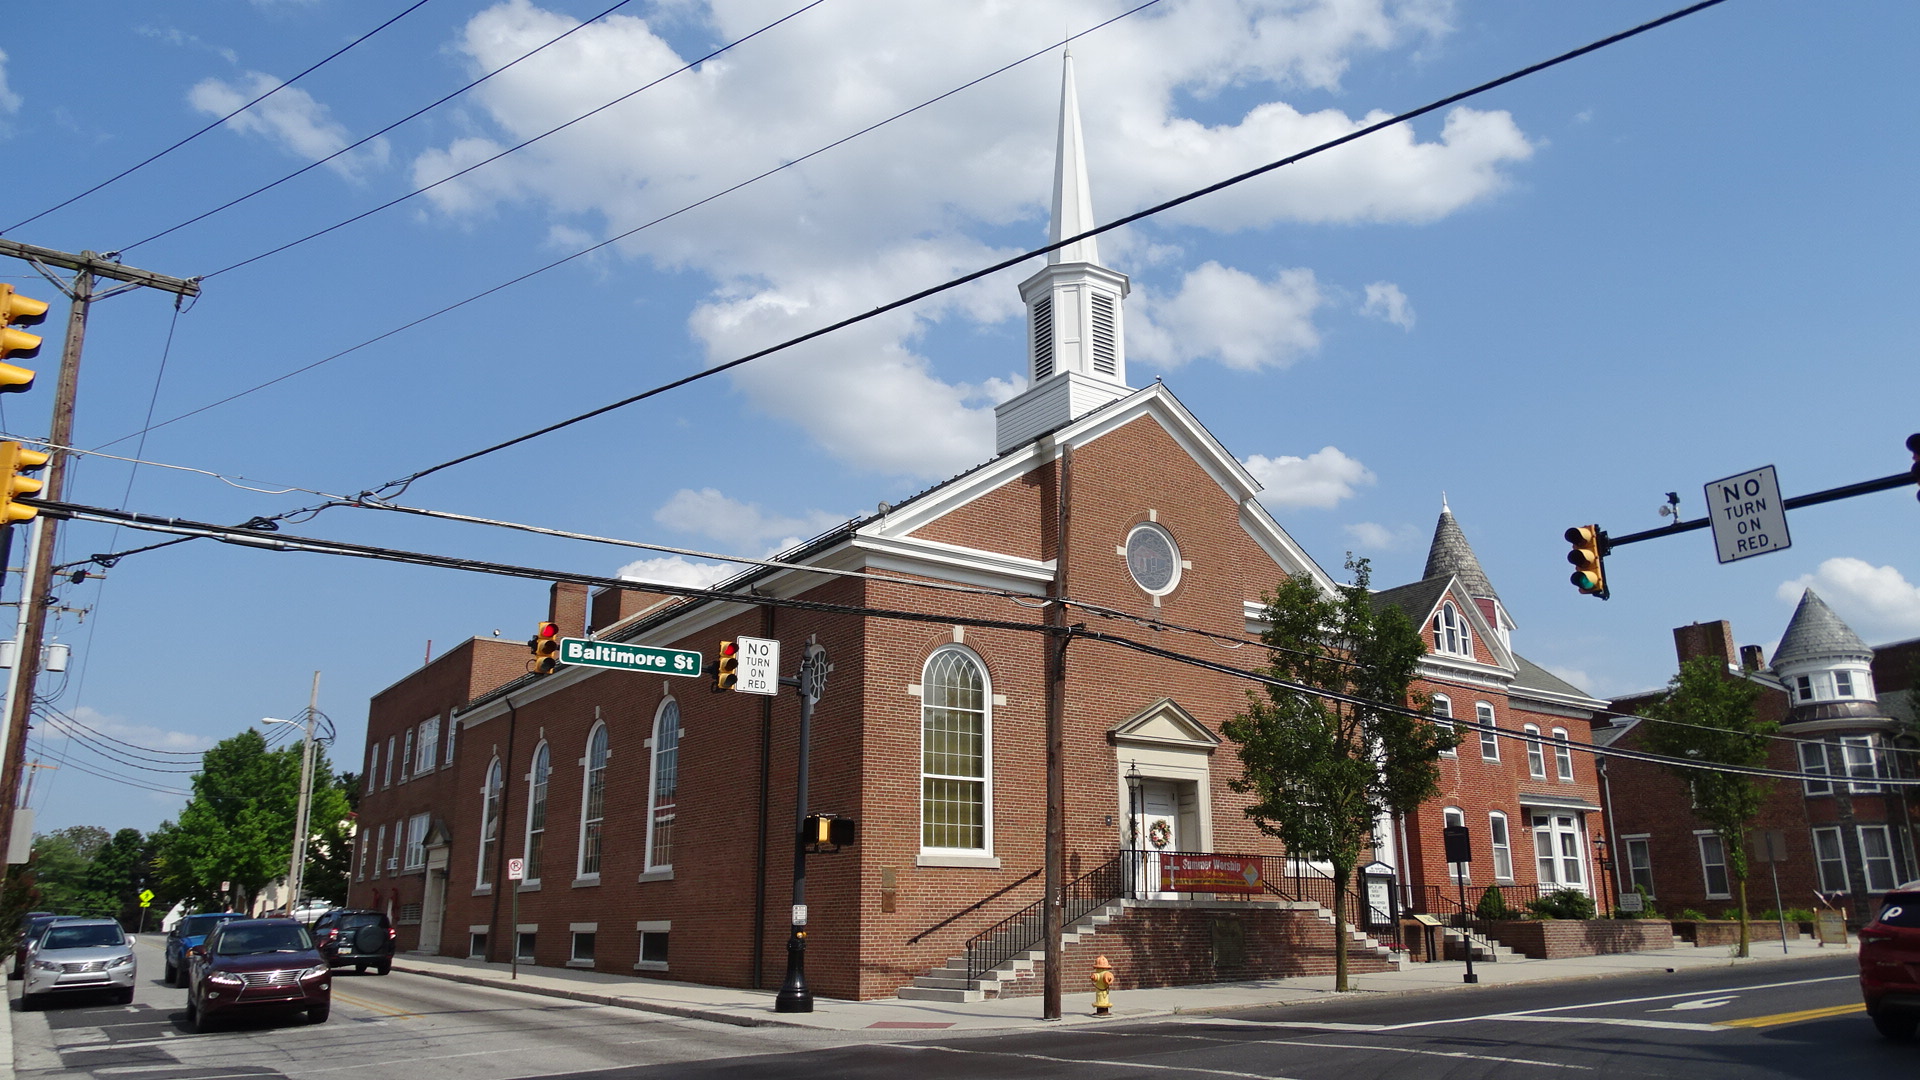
[(1164, 723)]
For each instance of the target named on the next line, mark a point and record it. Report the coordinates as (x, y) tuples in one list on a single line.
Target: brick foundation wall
[(1184, 946), (1727, 931), (1554, 939)]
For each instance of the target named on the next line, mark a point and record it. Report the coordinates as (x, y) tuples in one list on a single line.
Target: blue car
[(186, 935)]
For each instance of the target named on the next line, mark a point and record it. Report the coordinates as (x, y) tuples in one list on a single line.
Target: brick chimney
[(567, 608), (1713, 639)]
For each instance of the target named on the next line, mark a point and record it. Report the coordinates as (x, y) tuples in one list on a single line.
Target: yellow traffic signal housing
[(827, 829), (1589, 559), (726, 669), (15, 309), (14, 460), (545, 645)]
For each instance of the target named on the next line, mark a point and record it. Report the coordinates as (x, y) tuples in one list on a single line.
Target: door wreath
[(1160, 833)]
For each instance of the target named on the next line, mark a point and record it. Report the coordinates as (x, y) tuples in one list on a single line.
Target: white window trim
[(656, 926), (416, 853), (1700, 836), (1536, 752), (1562, 756), (1627, 841), (406, 758), (574, 930), (1493, 838), (428, 750), (453, 731), (1817, 750), (1873, 763), (379, 846), (939, 856), (1489, 738), (546, 800), (580, 874), (1840, 849), (1457, 873), (1443, 716), (657, 871), (1892, 860), (373, 769), (494, 768), (387, 782)]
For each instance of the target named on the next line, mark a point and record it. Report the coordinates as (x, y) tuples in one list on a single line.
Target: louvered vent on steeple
[(1105, 341), (1042, 338)]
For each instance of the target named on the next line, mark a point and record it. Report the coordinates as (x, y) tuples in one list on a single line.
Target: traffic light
[(15, 309), (17, 459), (827, 829), (545, 645), (1913, 444), (726, 670), (1589, 559)]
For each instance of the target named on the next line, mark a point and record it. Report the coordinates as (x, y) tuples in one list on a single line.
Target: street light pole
[(296, 870)]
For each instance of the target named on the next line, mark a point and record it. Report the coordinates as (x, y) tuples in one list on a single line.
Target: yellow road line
[(1795, 1017), (374, 1006)]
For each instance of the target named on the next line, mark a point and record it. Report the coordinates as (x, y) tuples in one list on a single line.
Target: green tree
[(238, 826), (1322, 770), (330, 846), (63, 866), (1713, 722)]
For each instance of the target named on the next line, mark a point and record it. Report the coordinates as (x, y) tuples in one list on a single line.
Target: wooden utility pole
[(88, 268), (1056, 845)]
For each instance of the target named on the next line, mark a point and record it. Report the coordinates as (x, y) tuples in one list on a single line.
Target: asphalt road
[(1797, 1020)]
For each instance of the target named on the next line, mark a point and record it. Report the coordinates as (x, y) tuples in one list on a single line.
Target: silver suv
[(80, 955)]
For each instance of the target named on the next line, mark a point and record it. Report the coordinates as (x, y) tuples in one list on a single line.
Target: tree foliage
[(1713, 722), (1322, 770), (238, 826)]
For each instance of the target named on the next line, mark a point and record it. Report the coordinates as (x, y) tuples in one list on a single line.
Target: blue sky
[(1681, 258)]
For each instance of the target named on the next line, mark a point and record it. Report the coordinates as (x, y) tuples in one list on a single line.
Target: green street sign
[(589, 653)]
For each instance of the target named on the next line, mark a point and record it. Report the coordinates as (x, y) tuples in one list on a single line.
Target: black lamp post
[(1134, 854), (1606, 875)]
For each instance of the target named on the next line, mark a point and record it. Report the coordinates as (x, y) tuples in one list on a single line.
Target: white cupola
[(1076, 331)]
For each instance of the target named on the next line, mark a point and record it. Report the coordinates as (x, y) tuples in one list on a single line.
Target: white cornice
[(952, 562)]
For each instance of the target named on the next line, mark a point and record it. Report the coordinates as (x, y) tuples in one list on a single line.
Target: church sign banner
[(1209, 873)]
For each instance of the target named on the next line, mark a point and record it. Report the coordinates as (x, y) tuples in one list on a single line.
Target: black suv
[(354, 936)]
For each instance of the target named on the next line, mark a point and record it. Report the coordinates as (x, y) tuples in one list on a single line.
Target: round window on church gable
[(1153, 559)]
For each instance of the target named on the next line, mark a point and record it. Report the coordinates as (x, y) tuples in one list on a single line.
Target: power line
[(689, 66), (231, 203), (448, 309), (156, 157)]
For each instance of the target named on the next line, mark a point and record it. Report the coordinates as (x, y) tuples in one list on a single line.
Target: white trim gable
[(1164, 723), (1477, 622)]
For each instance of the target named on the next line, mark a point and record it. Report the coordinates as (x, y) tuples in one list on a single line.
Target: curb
[(686, 1012)]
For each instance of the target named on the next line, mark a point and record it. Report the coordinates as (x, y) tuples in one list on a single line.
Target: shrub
[(1562, 904), (1799, 914), (1731, 914), (1493, 905), (1693, 915)]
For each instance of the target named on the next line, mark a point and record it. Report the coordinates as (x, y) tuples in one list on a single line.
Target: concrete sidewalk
[(754, 1008)]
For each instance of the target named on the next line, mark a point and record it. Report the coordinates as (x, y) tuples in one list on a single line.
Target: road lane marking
[(1051, 1060), (1699, 1003), (370, 1006), (1539, 1013), (1795, 1017), (1304, 1025), (1353, 1046)]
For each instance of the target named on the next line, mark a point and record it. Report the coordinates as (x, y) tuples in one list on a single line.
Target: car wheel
[(318, 1014), (359, 969), (385, 966), (171, 977), (17, 972), (196, 1021), (1896, 1025)]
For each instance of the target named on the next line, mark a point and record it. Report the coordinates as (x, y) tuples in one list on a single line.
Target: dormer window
[(1803, 687), (1450, 632), (1843, 684)]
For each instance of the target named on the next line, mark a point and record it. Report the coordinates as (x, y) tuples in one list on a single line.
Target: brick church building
[(653, 819)]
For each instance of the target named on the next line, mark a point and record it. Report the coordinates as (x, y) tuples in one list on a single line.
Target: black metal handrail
[(973, 907), (1025, 928)]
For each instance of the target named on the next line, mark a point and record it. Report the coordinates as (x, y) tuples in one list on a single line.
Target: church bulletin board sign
[(1209, 873)]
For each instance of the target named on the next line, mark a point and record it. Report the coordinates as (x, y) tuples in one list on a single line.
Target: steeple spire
[(1072, 198), (1076, 326)]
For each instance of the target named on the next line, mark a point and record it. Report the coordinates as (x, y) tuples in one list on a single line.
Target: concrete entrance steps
[(950, 983), (1485, 949)]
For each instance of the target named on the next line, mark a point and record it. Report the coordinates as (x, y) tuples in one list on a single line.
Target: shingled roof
[(1451, 554), (1816, 633)]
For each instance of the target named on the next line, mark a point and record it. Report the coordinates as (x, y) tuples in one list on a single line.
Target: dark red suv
[(252, 966), (1890, 963)]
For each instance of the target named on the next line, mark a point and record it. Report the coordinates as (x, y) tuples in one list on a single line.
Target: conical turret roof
[(1451, 554), (1817, 633)]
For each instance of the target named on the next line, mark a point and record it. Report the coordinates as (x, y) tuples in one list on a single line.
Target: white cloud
[(1320, 480), (904, 207), (290, 118), (1229, 315), (92, 721), (1387, 303), (9, 101), (743, 528), (1872, 599), (1369, 536), (678, 570)]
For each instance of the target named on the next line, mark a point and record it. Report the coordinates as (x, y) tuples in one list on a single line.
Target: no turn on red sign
[(1748, 515)]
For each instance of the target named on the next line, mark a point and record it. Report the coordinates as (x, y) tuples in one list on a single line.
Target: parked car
[(1890, 963), (356, 936), (253, 966), (78, 955), (186, 935), (308, 910), (30, 928)]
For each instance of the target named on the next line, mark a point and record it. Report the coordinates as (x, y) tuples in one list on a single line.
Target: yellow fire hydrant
[(1102, 982)]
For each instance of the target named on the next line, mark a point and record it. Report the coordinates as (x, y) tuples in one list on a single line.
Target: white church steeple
[(1076, 332)]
